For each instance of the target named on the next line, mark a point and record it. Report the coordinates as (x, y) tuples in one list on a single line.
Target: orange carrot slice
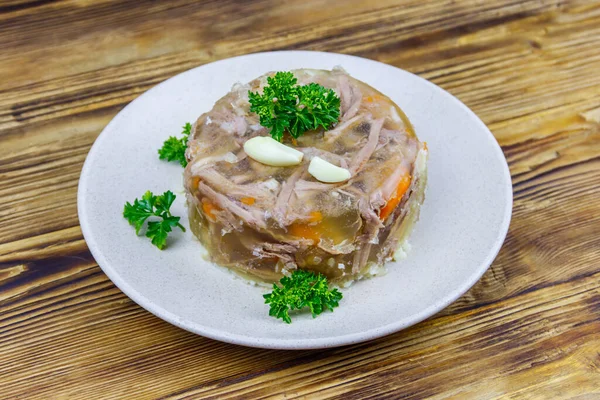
[(315, 216), (305, 231), (374, 98), (394, 200), (248, 200), (209, 209), (195, 183)]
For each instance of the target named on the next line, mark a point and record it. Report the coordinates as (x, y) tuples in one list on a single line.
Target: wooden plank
[(78, 104), (529, 329), (555, 325)]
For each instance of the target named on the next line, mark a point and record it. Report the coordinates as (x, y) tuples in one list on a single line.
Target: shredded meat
[(287, 189), (250, 217), (262, 220), (365, 153)]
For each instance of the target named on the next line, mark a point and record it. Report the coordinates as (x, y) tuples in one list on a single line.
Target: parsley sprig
[(286, 106), (301, 289), (153, 206), (173, 148)]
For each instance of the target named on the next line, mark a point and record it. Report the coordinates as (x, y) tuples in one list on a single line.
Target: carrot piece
[(374, 98), (195, 183), (248, 200), (394, 200), (311, 230), (209, 209), (315, 216), (305, 231)]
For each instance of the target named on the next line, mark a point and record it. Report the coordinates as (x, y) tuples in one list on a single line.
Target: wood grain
[(529, 329)]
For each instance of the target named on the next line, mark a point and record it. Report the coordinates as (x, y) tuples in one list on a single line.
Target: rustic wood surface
[(530, 329)]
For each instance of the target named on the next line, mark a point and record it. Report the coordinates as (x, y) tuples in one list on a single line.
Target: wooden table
[(530, 329)]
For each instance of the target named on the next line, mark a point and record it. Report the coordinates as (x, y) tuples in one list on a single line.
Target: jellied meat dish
[(265, 221)]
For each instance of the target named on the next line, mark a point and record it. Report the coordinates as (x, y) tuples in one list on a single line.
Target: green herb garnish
[(149, 206), (301, 289), (285, 106), (173, 148)]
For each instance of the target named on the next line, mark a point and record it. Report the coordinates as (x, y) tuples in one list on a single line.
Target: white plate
[(463, 222)]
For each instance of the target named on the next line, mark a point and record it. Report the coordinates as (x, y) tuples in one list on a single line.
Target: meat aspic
[(263, 221)]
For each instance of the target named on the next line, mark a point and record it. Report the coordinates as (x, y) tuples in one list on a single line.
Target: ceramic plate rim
[(294, 343)]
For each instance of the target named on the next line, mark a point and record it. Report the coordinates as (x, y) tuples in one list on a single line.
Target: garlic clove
[(325, 171), (269, 151)]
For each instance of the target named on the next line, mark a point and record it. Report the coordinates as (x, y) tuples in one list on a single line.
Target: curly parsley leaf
[(173, 148), (153, 206), (163, 203), (285, 106), (301, 289)]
